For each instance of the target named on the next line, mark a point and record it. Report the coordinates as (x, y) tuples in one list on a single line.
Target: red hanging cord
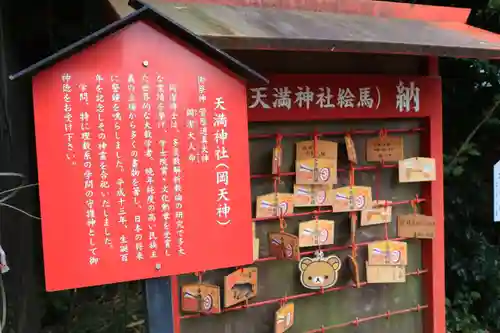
[(386, 225), (277, 177), (282, 224), (316, 217), (353, 219), (284, 300), (414, 204), (315, 144), (378, 176)]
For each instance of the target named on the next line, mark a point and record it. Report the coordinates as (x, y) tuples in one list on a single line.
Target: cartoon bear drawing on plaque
[(319, 272)]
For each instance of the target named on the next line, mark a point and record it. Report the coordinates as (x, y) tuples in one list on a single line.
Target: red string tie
[(356, 322), (322, 290), (284, 300), (322, 328), (279, 137), (413, 204), (418, 308), (387, 314)]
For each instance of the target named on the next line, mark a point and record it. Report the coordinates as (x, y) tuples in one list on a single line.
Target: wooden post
[(162, 305)]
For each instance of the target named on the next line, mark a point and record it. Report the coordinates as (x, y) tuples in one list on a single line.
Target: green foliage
[(472, 242), (117, 308)]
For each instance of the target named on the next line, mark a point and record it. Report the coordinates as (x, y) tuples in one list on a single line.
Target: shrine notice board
[(294, 108), (143, 163)]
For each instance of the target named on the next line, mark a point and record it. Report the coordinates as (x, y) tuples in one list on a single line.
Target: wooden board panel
[(280, 278)]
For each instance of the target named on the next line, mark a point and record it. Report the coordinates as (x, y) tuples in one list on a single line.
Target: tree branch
[(465, 144)]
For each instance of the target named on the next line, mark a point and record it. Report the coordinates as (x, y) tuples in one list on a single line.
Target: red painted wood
[(70, 238), (323, 97), (432, 146), (433, 251), (176, 307)]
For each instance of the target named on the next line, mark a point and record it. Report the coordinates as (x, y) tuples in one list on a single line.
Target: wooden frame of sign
[(427, 112)]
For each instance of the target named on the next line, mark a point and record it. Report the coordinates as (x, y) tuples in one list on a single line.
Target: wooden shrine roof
[(247, 27)]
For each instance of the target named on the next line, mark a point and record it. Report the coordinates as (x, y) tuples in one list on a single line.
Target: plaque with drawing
[(311, 195), (316, 233), (200, 298), (274, 204), (284, 318), (387, 253), (240, 286), (417, 169), (379, 213), (284, 246), (351, 198)]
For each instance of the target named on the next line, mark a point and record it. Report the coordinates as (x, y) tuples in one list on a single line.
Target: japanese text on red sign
[(406, 99)]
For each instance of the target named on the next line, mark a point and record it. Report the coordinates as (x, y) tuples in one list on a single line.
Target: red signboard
[(142, 149), (317, 97)]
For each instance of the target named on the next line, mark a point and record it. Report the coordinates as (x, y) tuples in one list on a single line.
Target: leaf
[(493, 121), (474, 152), (457, 171), (475, 295)]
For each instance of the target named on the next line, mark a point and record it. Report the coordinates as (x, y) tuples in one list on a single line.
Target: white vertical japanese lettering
[(220, 124), (68, 117), (179, 212), (89, 184), (192, 124), (160, 102), (407, 97), (103, 157), (117, 118), (164, 197)]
